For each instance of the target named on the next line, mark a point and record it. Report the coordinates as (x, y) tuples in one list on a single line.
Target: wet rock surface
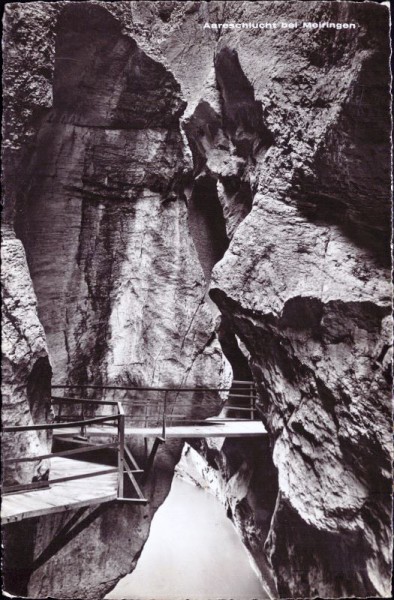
[(140, 174)]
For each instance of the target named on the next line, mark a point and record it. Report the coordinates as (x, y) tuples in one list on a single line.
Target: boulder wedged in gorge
[(158, 172)]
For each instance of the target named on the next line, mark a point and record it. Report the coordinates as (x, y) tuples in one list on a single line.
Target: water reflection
[(193, 553)]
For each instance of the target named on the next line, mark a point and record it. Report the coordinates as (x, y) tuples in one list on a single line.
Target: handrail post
[(253, 400), (83, 428), (164, 416), (60, 412), (121, 438)]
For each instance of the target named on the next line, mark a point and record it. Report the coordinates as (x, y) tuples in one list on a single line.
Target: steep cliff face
[(150, 161), (305, 287), (104, 220), (26, 373)]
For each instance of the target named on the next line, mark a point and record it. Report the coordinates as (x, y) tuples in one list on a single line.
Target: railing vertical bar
[(121, 438), (254, 400), (164, 416), (146, 415), (145, 449), (83, 428)]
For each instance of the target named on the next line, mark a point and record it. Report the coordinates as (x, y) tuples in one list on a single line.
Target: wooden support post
[(83, 427), (121, 438), (146, 415), (145, 450), (128, 455), (137, 489)]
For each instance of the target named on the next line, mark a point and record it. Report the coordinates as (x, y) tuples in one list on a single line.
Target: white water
[(193, 553)]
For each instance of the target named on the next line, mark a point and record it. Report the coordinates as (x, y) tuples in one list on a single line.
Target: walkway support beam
[(148, 467)]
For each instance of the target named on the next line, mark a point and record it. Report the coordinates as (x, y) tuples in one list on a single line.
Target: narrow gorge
[(186, 206)]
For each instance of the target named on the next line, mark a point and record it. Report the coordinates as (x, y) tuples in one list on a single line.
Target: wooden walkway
[(63, 496), (210, 429), (75, 484)]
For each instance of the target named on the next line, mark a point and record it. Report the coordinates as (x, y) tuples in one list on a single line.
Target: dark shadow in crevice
[(233, 353), (242, 113), (39, 389), (18, 544), (39, 398), (207, 224)]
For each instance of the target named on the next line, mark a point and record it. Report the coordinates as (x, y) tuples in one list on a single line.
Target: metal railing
[(118, 446), (244, 393), (139, 405), (166, 406)]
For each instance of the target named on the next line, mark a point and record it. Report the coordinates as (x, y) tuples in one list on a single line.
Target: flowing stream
[(193, 553)]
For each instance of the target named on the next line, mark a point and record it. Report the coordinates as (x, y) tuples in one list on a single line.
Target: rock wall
[(103, 218), (26, 372), (142, 148), (104, 221), (306, 288)]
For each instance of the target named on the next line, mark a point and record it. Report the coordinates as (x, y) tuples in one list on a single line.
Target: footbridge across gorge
[(92, 429)]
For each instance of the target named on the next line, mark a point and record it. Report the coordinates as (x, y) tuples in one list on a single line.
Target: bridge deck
[(64, 496), (209, 429)]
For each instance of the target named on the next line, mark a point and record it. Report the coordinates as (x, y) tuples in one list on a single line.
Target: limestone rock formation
[(310, 299), (26, 372), (103, 219), (178, 188)]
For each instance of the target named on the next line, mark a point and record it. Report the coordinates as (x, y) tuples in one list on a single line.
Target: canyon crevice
[(184, 205)]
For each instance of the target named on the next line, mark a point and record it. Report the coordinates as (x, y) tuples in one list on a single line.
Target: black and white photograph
[(196, 300)]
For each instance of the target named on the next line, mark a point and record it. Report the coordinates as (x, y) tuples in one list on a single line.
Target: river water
[(193, 553)]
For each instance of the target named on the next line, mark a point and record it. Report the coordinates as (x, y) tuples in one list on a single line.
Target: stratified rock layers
[(140, 150)]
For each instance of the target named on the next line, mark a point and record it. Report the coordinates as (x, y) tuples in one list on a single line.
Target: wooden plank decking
[(64, 496), (231, 428)]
